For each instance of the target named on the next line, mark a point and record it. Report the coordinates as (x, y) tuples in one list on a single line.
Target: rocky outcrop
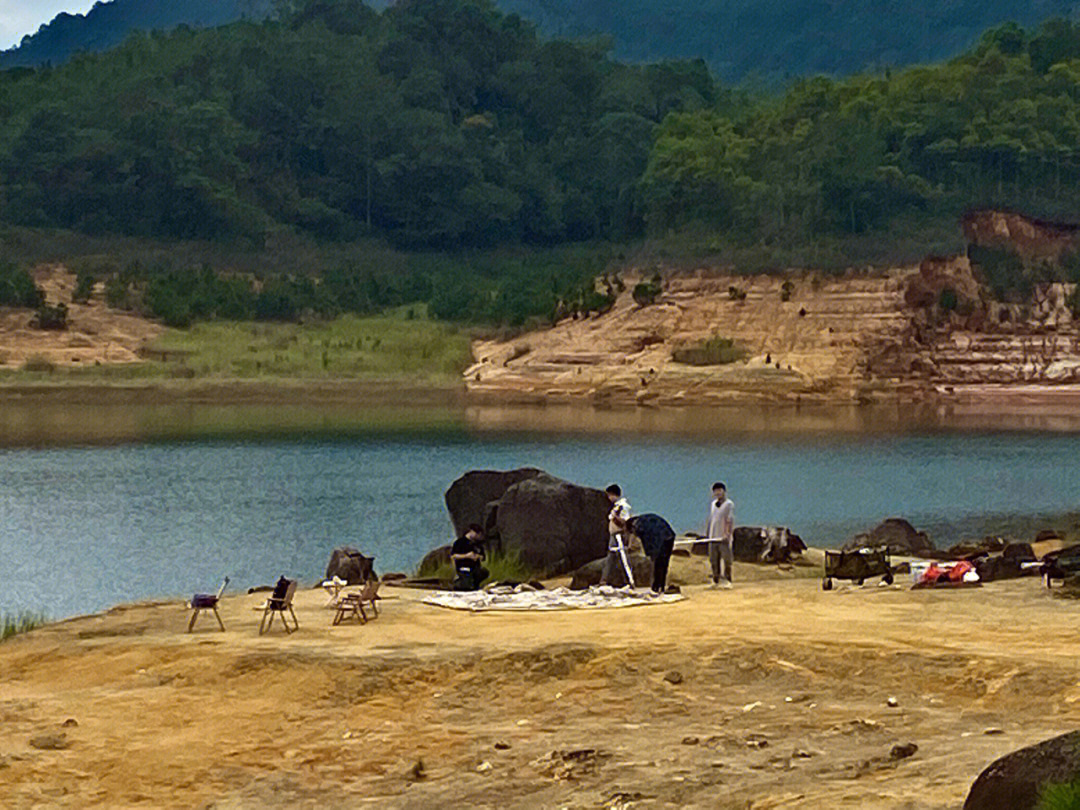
[(1016, 781), (896, 534), (1033, 240), (349, 564), (471, 497), (554, 526), (589, 574)]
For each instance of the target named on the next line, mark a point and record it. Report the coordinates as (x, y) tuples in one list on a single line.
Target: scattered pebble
[(892, 703), (417, 770), (757, 741), (71, 722), (484, 767), (749, 707), (50, 741), (690, 740), (994, 730), (673, 677), (502, 746), (801, 753), (523, 722), (903, 751)]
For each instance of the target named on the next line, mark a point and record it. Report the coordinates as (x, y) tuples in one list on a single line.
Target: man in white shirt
[(616, 556), (720, 530)]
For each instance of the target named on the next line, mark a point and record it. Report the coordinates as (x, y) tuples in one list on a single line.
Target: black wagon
[(858, 566)]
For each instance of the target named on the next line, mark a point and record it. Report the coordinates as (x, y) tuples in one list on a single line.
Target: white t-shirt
[(620, 509), (721, 520)]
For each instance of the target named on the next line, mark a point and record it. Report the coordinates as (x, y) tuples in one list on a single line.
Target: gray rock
[(554, 526), (434, 559), (350, 565), (50, 741), (1015, 781), (899, 536), (469, 497)]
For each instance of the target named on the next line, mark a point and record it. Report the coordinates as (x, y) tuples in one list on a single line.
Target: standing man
[(467, 554), (720, 530), (616, 556)]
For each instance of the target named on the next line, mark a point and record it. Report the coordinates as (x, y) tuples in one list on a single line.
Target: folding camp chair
[(207, 601), (353, 603), (279, 602)]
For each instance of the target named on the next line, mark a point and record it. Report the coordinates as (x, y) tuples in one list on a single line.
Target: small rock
[(502, 746), (690, 740), (484, 767), (71, 722), (801, 753), (417, 771), (757, 741), (749, 707), (993, 731), (903, 751), (673, 677), (50, 741), (892, 703)]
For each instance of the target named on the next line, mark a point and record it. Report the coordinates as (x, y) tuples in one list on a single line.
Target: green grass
[(402, 345), (1060, 797), (501, 566), (716, 351), (13, 625)]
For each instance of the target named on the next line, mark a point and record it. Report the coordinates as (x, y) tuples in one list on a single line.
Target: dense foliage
[(768, 39), (107, 24), (438, 122), (999, 126), (496, 161)]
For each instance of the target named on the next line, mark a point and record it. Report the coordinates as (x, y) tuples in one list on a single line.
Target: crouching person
[(467, 554), (658, 540)]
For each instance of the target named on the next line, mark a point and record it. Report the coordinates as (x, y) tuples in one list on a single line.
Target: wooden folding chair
[(207, 601), (279, 602), (353, 603)]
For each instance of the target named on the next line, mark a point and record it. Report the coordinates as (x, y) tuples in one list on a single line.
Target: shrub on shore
[(14, 624), (502, 566), (716, 351)]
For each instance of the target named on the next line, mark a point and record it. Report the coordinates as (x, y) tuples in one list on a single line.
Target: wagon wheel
[(826, 584)]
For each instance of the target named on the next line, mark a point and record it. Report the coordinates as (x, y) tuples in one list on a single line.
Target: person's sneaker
[(713, 586), (725, 585)]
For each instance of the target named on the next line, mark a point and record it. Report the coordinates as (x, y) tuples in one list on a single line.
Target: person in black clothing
[(467, 552), (658, 539)]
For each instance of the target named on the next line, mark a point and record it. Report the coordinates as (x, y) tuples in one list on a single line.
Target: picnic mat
[(603, 596)]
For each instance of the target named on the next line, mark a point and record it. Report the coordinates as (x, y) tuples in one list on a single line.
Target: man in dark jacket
[(467, 554), (658, 539)]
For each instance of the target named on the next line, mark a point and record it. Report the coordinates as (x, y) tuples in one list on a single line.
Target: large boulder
[(435, 559), (350, 565), (589, 574), (1015, 781), (899, 536), (470, 498), (554, 526)]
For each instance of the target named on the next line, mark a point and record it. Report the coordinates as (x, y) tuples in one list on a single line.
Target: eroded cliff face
[(910, 333), (1032, 239)]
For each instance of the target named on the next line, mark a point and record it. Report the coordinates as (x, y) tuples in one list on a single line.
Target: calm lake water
[(100, 505)]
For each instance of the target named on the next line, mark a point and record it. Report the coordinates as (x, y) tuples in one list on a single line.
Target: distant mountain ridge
[(108, 24), (770, 39)]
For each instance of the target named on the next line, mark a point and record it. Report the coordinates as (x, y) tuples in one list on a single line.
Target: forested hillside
[(771, 40), (446, 125), (107, 24)]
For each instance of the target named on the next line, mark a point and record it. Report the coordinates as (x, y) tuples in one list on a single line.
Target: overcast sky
[(21, 17)]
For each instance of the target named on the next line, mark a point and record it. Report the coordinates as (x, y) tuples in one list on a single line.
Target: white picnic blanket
[(602, 596)]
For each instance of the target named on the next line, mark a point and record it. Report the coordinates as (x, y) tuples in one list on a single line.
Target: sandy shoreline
[(771, 695)]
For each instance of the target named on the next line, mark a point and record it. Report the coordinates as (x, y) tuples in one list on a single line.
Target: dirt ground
[(772, 695), (96, 335)]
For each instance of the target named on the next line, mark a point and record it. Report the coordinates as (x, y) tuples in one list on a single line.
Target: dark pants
[(469, 579), (660, 566)]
